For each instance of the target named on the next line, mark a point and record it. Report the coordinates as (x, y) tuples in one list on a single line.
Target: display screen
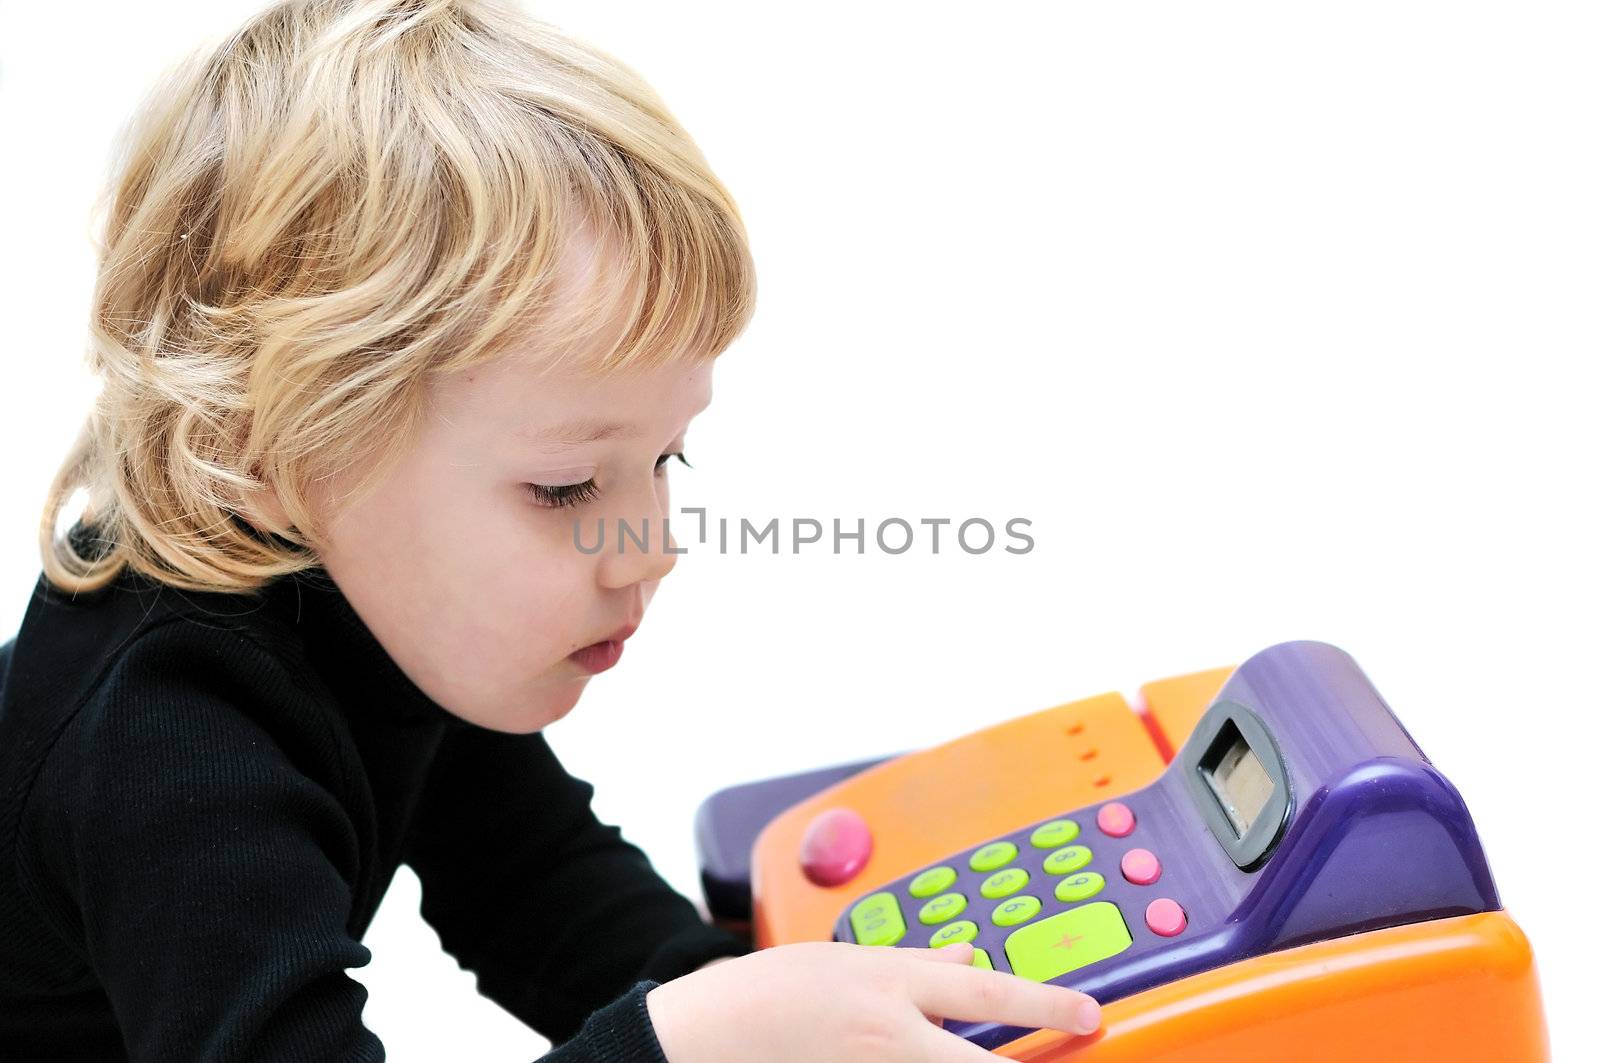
[(1238, 778)]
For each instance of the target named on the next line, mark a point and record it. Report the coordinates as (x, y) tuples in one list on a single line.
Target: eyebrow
[(570, 434), (575, 433)]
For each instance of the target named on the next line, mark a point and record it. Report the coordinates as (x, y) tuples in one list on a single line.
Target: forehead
[(546, 387)]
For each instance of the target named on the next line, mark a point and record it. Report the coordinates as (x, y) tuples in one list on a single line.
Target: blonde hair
[(339, 200)]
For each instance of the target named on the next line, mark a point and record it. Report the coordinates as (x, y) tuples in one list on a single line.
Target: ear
[(263, 510)]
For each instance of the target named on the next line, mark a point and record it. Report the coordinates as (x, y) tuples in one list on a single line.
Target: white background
[(1276, 320)]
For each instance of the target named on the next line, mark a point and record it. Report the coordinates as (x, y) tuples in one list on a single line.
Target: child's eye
[(564, 494), (587, 491)]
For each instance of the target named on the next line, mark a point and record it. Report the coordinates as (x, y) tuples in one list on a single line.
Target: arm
[(204, 878), (713, 963), (555, 912)]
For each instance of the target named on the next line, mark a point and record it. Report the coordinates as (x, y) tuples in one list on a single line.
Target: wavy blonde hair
[(339, 200)]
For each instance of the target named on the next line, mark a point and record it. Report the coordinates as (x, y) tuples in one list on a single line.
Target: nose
[(637, 549)]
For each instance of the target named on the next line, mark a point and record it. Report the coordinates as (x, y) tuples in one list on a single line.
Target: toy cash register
[(1271, 870)]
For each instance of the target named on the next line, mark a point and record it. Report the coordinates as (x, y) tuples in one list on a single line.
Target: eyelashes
[(567, 495), (587, 491)]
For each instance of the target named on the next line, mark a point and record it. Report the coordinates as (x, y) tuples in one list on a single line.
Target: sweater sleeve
[(555, 912), (620, 1031), (205, 877)]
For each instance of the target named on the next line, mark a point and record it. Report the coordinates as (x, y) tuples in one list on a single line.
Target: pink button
[(1140, 867), (1165, 916), (835, 847), (1115, 819)]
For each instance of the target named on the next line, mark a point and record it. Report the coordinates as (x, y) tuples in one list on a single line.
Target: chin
[(525, 719)]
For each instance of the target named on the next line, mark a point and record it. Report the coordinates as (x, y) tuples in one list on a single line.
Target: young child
[(390, 293)]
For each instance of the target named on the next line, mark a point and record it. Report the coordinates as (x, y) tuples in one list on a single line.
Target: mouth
[(599, 656)]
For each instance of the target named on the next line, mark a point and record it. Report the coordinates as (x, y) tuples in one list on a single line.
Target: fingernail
[(1088, 1017)]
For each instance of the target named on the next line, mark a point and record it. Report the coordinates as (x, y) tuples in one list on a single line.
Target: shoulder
[(192, 743), (188, 703), (196, 747), (205, 689), (69, 644)]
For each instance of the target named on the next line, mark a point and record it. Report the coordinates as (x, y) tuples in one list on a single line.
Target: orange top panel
[(928, 804)]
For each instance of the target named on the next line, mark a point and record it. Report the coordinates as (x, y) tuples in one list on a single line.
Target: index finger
[(972, 994)]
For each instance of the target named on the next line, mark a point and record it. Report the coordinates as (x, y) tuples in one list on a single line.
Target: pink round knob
[(835, 847), (1140, 867), (1116, 819), (1166, 917)]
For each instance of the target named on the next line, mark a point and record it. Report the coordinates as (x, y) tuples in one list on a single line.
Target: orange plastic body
[(1462, 989)]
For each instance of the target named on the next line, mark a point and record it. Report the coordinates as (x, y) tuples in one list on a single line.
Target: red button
[(1165, 916), (835, 847), (1115, 819), (1140, 867)]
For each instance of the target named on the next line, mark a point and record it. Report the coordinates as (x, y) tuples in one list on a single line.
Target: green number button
[(993, 855), (960, 930), (1066, 861), (877, 920), (1003, 883), (1056, 832), (934, 880), (1074, 938), (1017, 910), (1079, 887), (941, 908), (980, 958)]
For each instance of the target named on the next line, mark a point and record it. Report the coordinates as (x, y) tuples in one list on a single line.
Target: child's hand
[(847, 1003)]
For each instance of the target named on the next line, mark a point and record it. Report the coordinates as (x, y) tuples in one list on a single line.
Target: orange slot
[(1174, 705)]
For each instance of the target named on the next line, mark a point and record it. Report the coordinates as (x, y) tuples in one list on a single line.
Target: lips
[(597, 657), (619, 635)]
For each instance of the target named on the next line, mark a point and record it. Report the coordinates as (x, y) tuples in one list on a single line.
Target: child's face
[(472, 583)]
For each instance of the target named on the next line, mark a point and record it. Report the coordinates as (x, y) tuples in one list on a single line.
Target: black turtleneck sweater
[(203, 797)]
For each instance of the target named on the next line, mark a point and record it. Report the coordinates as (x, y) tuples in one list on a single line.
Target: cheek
[(487, 580), (456, 538), (381, 542), (528, 611), (535, 602), (498, 643)]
